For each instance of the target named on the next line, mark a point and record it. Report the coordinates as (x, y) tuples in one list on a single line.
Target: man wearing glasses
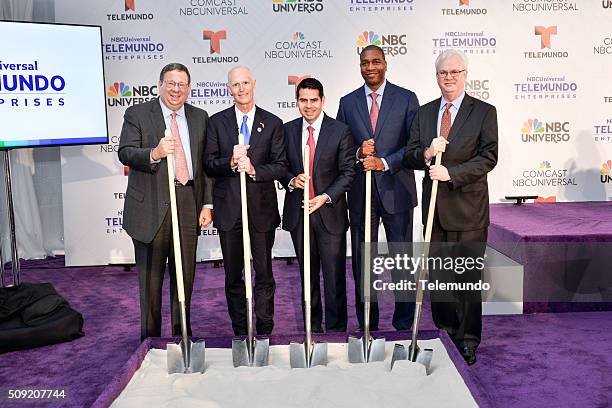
[(262, 157), (146, 218), (465, 129)]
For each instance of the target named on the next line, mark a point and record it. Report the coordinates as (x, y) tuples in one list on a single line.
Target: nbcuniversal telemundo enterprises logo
[(27, 85), (537, 131), (464, 9), (546, 37), (391, 44), (545, 87), (293, 81), (297, 6), (470, 42), (132, 12), (120, 94), (113, 224), (215, 41), (133, 48), (544, 175), (299, 46), (213, 8), (602, 132), (210, 93), (379, 6)]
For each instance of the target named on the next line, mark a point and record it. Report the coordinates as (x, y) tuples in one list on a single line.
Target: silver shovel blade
[(297, 355), (377, 350), (261, 353), (399, 353), (424, 357), (319, 354), (356, 350), (240, 353), (175, 361)]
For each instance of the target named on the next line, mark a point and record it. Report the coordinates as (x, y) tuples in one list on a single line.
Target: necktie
[(181, 169), (374, 111), (244, 129), (445, 125), (311, 144)]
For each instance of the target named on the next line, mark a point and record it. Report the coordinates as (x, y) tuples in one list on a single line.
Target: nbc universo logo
[(545, 33), (215, 38), (606, 172), (119, 89)]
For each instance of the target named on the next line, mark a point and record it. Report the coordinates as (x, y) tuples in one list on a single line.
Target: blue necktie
[(244, 129)]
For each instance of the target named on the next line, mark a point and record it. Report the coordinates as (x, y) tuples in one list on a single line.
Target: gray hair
[(452, 53), (229, 73)]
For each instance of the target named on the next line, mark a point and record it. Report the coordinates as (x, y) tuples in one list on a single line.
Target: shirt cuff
[(151, 158), (290, 188), (385, 163), (210, 206), (329, 201)]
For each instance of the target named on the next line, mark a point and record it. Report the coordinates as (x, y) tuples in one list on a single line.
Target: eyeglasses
[(453, 74), (236, 85), (172, 84)]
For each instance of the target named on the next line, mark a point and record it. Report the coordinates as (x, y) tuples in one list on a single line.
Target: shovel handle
[(246, 238), (176, 238)]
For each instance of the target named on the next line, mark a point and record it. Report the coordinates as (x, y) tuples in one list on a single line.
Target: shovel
[(414, 354), (186, 357), (366, 349), (250, 352), (309, 353)]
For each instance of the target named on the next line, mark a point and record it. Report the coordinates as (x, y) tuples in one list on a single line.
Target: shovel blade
[(424, 357), (240, 353), (377, 350), (261, 352), (399, 353), (319, 354), (356, 350), (297, 355), (176, 362)]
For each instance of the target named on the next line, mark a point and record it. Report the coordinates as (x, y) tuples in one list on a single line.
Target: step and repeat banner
[(545, 65)]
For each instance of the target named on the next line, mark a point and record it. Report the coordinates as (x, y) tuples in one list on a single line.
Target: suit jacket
[(147, 198), (396, 187), (463, 203), (333, 174), (268, 156)]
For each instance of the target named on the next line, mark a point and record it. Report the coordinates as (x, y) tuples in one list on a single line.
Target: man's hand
[(299, 181), (368, 148), (439, 173), (239, 152), (316, 203), (163, 148), (206, 217), (373, 163), (438, 144), (244, 165)]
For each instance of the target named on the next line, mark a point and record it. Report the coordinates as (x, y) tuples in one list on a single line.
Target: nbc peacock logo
[(298, 36), (368, 38), (605, 175), (545, 165), (119, 90), (532, 126)]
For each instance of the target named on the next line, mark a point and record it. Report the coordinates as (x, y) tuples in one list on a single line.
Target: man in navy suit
[(379, 115), (331, 173), (469, 140), (263, 158)]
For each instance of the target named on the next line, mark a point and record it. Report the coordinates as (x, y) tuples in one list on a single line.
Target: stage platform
[(565, 249)]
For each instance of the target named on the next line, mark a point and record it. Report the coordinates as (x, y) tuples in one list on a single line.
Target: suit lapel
[(231, 126), (385, 107), (362, 106), (258, 128), (322, 141), (157, 118), (435, 111), (464, 111)]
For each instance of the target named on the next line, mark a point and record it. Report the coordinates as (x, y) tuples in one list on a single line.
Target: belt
[(178, 183)]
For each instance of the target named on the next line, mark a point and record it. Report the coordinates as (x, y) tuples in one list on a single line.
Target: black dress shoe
[(469, 354)]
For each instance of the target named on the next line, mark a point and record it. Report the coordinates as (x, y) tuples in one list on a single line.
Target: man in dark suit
[(146, 218), (465, 129), (332, 171), (263, 158), (379, 115)]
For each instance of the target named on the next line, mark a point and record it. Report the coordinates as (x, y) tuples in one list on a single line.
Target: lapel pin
[(261, 126)]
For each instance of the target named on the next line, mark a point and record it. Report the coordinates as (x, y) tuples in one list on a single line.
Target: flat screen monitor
[(51, 85)]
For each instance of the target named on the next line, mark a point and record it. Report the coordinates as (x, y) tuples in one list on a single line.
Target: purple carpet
[(547, 360), (564, 247)]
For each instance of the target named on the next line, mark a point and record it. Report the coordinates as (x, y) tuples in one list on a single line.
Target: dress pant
[(459, 312), (327, 254), (151, 259), (263, 290), (398, 228)]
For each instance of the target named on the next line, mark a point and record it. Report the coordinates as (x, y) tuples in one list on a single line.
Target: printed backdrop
[(543, 63)]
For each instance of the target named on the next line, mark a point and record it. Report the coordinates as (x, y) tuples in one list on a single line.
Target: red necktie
[(445, 125), (374, 111), (311, 144), (181, 169)]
